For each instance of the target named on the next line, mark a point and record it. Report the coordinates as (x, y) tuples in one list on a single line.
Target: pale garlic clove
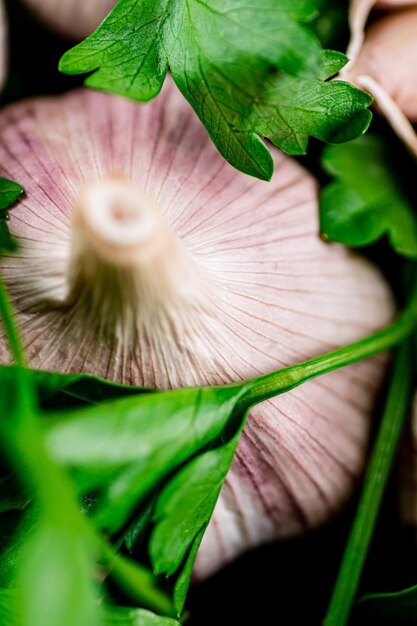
[(147, 259), (383, 59), (72, 18)]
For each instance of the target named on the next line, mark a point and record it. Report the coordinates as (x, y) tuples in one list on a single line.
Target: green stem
[(20, 430), (25, 396), (383, 456), (10, 326), (266, 387)]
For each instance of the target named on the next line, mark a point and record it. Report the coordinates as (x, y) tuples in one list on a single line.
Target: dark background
[(288, 583)]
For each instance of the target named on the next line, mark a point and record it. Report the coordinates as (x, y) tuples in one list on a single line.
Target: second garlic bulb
[(73, 18)]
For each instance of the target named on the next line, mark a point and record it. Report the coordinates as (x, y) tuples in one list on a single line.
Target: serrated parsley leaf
[(292, 109), (366, 201), (223, 56)]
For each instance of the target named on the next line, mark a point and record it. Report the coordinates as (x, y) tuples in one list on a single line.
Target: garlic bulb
[(383, 58), (73, 18), (147, 259)]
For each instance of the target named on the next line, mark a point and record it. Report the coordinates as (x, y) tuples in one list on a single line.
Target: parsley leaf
[(293, 108), (238, 64), (182, 513), (183, 580), (120, 449), (366, 201), (9, 193), (185, 505)]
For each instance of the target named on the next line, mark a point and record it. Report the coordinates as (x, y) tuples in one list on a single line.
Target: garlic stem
[(127, 269)]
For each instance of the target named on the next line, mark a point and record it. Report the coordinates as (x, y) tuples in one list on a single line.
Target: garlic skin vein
[(252, 289)]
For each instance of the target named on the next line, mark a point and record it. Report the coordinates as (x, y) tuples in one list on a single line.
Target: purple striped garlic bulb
[(73, 18), (383, 60), (147, 259)]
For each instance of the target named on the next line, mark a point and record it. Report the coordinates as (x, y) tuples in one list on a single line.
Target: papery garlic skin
[(267, 293), (73, 18)]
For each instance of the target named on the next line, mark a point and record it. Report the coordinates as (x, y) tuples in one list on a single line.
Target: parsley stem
[(383, 456), (25, 396), (19, 428), (265, 387)]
